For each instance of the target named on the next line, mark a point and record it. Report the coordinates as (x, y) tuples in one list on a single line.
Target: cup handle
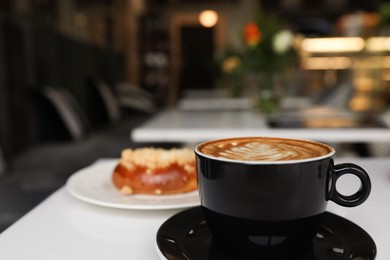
[(358, 197)]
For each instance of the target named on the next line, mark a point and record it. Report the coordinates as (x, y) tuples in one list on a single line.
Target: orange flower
[(252, 34)]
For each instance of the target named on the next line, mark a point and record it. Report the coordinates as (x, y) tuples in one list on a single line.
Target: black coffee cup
[(270, 206)]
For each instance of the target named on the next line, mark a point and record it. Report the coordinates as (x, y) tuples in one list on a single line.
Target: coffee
[(264, 149)]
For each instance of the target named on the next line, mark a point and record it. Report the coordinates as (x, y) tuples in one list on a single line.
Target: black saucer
[(186, 235)]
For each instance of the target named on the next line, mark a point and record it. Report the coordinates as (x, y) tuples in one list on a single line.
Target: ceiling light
[(208, 18), (330, 45)]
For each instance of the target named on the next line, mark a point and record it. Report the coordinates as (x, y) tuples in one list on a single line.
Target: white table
[(193, 126), (62, 227)]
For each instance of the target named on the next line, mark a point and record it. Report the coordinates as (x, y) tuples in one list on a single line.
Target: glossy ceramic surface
[(186, 235), (94, 185)]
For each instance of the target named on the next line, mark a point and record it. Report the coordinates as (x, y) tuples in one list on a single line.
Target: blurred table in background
[(193, 126)]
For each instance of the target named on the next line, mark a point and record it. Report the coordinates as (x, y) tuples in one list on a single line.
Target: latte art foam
[(264, 149)]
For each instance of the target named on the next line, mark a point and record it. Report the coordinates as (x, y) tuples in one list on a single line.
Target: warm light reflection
[(330, 122), (372, 63), (364, 84), (346, 44), (386, 62), (377, 44), (360, 103), (325, 63), (339, 63), (386, 76), (330, 45), (208, 18), (369, 63)]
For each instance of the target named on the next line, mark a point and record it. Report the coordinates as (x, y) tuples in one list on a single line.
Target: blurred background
[(77, 75)]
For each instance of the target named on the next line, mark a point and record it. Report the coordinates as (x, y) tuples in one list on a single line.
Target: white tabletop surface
[(192, 126), (63, 227)]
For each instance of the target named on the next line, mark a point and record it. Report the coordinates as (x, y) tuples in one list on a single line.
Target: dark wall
[(14, 68), (33, 57)]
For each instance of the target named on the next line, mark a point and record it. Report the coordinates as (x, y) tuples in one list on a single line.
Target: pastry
[(155, 171)]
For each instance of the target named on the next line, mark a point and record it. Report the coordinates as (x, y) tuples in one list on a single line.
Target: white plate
[(93, 185)]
